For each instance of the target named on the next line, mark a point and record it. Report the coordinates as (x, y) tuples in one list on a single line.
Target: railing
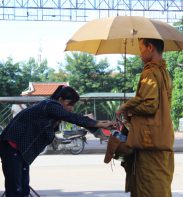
[(5, 114), (6, 104)]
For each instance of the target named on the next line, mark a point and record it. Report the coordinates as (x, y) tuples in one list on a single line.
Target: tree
[(174, 63), (86, 75), (177, 99), (10, 75), (179, 22), (34, 71), (131, 77), (59, 76), (16, 77)]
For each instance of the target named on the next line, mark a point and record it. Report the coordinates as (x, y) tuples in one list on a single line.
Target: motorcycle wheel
[(78, 146)]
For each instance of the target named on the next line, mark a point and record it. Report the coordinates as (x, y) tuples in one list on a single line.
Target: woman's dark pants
[(16, 171)]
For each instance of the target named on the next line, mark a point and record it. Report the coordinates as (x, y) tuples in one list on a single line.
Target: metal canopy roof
[(106, 96), (21, 99)]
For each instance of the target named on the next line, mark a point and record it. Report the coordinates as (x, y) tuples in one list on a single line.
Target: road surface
[(85, 176)]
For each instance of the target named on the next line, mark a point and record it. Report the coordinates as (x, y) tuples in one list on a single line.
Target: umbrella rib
[(98, 47), (177, 44)]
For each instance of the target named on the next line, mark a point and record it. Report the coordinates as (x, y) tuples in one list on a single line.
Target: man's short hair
[(157, 43)]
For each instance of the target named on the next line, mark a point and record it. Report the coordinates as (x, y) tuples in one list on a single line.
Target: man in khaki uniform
[(152, 168)]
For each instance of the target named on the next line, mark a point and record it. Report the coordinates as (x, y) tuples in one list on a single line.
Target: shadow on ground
[(57, 193)]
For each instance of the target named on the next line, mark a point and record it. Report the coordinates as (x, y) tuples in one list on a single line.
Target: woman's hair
[(66, 93)]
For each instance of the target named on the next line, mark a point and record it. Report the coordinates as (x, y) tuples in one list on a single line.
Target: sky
[(24, 39)]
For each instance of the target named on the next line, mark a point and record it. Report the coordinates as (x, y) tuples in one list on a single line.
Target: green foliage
[(86, 75), (172, 61), (53, 76), (177, 99), (179, 22), (16, 77), (11, 78), (34, 71), (175, 66), (128, 78), (109, 108)]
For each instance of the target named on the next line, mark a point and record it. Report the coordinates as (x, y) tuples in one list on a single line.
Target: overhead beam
[(86, 10)]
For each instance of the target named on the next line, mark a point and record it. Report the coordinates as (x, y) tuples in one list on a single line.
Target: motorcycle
[(68, 140)]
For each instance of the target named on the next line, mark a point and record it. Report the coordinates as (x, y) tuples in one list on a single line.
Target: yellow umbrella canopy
[(120, 35)]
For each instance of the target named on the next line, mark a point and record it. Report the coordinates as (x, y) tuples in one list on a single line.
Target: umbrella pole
[(95, 114), (124, 84)]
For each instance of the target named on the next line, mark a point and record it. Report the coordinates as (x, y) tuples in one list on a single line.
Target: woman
[(32, 130)]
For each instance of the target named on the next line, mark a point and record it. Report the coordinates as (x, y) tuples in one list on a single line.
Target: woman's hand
[(106, 124)]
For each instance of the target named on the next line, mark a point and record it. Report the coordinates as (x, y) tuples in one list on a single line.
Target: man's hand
[(122, 111)]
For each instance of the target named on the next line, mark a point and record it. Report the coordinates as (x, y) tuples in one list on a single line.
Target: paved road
[(94, 146), (85, 176)]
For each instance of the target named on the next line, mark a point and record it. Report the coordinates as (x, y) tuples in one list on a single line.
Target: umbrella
[(119, 35)]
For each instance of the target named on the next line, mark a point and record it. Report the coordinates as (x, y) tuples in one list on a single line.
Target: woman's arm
[(57, 112)]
